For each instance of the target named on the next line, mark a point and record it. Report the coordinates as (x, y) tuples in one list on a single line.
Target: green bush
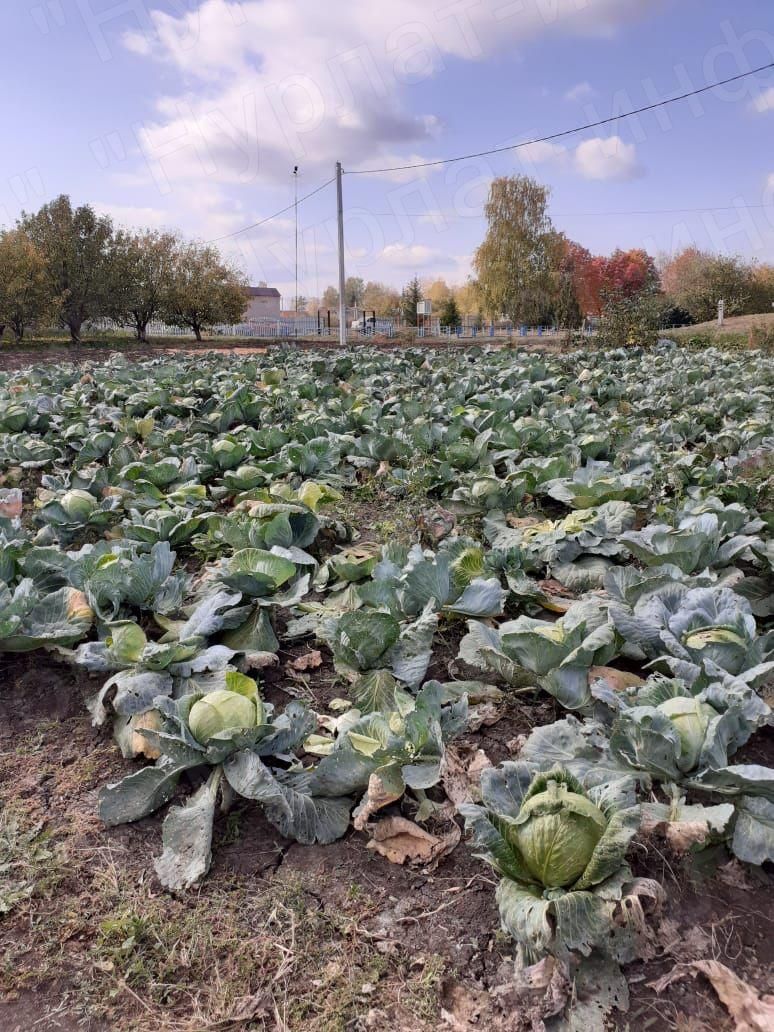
[(630, 321)]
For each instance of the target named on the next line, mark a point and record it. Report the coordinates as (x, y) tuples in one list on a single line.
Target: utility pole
[(295, 304), (342, 278)]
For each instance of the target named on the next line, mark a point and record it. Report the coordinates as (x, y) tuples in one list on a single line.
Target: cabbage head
[(556, 832), (560, 850), (690, 718), (78, 505), (225, 710)]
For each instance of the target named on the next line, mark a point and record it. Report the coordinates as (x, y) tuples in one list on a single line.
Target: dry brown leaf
[(437, 523), (401, 841), (377, 796), (462, 1007), (518, 522), (555, 587), (148, 721), (556, 598), (260, 660), (461, 770), (734, 875), (309, 661), (751, 1012), (685, 944), (536, 992), (11, 503), (248, 1008), (680, 835), (618, 680), (484, 715), (673, 975), (478, 765)]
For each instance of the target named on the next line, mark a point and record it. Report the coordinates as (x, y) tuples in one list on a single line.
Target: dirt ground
[(13, 356)]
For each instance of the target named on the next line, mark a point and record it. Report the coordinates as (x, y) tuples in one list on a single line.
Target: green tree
[(330, 298), (696, 280), (761, 290), (204, 290), (409, 299), (379, 298), (567, 311), (450, 314), (74, 244), (520, 254), (353, 291), (141, 267), (630, 320), (25, 296)]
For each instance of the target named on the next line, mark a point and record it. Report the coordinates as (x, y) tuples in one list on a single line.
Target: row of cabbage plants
[(164, 526)]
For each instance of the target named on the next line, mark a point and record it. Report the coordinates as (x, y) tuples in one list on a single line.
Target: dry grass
[(732, 324)]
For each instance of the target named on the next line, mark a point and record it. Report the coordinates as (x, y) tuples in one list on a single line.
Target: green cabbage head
[(78, 505), (227, 709), (560, 850), (556, 832), (690, 718)]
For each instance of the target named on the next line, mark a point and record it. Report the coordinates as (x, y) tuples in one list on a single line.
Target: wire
[(563, 215), (564, 132), (282, 211), (512, 147)]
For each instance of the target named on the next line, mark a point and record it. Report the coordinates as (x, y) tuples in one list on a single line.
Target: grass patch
[(30, 862)]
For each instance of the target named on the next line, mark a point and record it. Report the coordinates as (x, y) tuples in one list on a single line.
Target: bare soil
[(17, 356), (283, 936)]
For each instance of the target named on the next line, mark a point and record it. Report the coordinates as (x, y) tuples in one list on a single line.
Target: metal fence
[(266, 328), (313, 326), (469, 328)]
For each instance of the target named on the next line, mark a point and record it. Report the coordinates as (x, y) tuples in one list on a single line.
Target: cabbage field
[(401, 689)]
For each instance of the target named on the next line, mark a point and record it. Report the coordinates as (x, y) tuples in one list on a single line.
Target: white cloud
[(254, 87), (129, 217), (770, 182), (410, 256), (764, 102), (269, 84), (542, 151), (580, 91), (607, 158)]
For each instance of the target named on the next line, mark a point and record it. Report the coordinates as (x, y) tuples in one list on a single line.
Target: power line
[(512, 147), (282, 211), (566, 214), (564, 132)]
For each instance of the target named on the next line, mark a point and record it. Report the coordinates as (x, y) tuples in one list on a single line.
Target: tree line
[(531, 273), (528, 272), (69, 266), (387, 302)]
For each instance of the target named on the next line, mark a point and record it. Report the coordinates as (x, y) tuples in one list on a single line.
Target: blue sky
[(191, 114)]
